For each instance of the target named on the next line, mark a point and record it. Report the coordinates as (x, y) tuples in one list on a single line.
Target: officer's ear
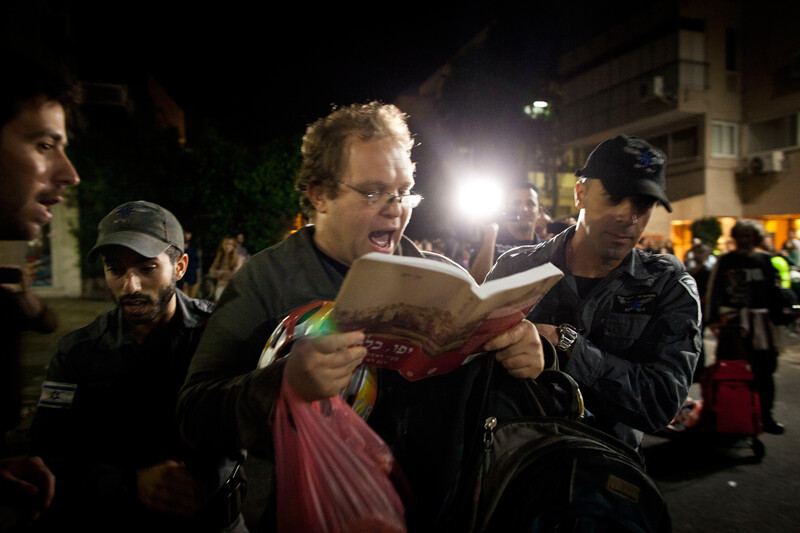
[(580, 193), (181, 265)]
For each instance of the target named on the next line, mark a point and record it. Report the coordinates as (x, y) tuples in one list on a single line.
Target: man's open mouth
[(48, 202), (381, 239)]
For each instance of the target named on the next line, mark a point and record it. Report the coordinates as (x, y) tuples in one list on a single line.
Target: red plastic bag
[(332, 470)]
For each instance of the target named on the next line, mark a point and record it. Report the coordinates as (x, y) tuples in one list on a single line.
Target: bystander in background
[(190, 282), (226, 263)]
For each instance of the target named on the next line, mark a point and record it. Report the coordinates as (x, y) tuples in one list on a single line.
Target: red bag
[(332, 470), (731, 403)]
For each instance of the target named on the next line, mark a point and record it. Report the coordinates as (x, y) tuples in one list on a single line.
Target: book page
[(417, 262), (422, 318), (517, 280)]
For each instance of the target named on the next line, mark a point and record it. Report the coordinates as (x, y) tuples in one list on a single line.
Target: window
[(692, 54), (731, 40), (773, 134), (724, 139), (683, 143), (692, 45), (677, 145)]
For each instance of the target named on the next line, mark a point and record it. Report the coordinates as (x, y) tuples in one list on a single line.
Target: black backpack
[(550, 471)]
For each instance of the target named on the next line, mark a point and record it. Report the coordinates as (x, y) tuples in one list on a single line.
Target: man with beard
[(105, 419), (626, 323), (523, 208)]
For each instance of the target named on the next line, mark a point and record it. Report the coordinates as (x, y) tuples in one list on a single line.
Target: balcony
[(645, 95)]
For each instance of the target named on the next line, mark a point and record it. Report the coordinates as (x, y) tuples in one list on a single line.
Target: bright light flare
[(480, 198)]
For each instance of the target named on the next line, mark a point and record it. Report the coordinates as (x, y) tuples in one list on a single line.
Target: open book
[(424, 317)]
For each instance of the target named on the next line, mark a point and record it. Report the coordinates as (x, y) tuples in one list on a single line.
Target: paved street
[(713, 485), (710, 485)]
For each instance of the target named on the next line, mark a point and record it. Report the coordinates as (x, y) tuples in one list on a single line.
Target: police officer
[(626, 323), (105, 419)]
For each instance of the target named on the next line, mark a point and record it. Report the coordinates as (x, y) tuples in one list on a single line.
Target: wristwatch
[(566, 337)]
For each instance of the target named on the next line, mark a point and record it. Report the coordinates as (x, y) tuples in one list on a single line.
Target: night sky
[(257, 71), (260, 70)]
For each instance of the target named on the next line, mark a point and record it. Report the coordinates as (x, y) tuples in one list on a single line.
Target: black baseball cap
[(146, 228), (628, 166)]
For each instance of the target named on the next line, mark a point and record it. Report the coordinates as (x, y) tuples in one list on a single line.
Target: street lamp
[(539, 108)]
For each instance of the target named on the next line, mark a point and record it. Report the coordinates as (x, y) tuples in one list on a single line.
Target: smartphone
[(10, 275)]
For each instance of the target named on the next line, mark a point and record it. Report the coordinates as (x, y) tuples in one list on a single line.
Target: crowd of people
[(147, 414)]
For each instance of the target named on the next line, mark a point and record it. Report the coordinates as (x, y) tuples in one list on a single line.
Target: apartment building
[(713, 83)]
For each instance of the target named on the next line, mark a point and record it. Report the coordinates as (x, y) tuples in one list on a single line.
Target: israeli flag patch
[(57, 395)]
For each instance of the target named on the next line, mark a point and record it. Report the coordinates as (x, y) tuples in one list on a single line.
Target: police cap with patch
[(146, 228), (628, 166)]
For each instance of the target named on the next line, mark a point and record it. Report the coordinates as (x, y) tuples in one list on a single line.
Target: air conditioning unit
[(765, 162), (653, 88)]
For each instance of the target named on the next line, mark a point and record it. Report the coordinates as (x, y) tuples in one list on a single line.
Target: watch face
[(566, 336)]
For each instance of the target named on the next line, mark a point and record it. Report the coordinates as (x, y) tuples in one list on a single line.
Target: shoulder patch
[(688, 282), (57, 395)]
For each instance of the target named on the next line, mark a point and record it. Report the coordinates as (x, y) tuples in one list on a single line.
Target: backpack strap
[(566, 388)]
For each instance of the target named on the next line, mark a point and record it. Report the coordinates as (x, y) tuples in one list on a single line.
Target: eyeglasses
[(409, 200)]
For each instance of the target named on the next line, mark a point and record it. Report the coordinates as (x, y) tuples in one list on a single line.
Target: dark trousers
[(764, 364)]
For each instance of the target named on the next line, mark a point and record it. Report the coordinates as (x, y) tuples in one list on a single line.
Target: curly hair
[(28, 80), (326, 140)]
